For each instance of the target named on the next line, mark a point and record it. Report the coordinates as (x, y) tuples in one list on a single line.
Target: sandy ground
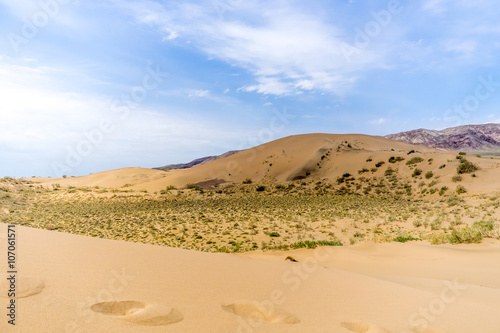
[(77, 284)]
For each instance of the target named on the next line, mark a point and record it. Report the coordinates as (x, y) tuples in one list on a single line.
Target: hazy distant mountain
[(196, 161), (469, 138)]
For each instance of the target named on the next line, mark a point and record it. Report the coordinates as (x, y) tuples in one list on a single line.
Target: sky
[(88, 86)]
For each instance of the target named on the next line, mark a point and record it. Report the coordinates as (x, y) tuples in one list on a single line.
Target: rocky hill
[(195, 162), (468, 138)]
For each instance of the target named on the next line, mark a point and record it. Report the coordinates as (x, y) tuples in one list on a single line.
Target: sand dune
[(70, 283), (311, 156), (110, 179), (96, 285)]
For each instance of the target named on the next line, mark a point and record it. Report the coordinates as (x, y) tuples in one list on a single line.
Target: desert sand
[(308, 156), (75, 283), (81, 284)]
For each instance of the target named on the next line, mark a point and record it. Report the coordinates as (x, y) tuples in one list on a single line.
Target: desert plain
[(309, 233)]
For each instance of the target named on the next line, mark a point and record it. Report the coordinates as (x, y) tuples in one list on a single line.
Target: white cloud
[(435, 7), (198, 93), (21, 8), (269, 85), (466, 48), (284, 57), (201, 94), (306, 85), (379, 121), (438, 7), (311, 116)]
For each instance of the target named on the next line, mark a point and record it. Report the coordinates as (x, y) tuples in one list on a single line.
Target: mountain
[(468, 138), (195, 162)]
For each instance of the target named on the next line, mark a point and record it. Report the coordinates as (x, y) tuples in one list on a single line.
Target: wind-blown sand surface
[(81, 284)]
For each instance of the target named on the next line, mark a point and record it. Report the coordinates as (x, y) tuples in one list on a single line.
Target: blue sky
[(88, 86)]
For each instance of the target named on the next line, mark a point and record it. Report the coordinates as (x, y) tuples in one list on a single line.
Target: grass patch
[(466, 235), (404, 239), (314, 244)]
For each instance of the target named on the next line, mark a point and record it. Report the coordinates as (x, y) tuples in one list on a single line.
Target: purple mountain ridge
[(468, 138)]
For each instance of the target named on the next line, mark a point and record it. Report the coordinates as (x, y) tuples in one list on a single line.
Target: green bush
[(194, 187), (415, 160), (429, 175), (484, 226), (466, 235), (389, 171), (454, 200), (456, 179), (473, 234), (433, 183), (466, 167), (461, 189), (393, 159), (416, 172), (443, 190), (260, 188), (404, 239), (247, 181), (379, 164)]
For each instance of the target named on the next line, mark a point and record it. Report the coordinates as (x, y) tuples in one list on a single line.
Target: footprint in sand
[(359, 327), (25, 286), (255, 311), (139, 312)]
